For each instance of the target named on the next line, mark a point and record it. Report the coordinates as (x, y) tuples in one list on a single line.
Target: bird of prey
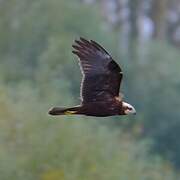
[(100, 84)]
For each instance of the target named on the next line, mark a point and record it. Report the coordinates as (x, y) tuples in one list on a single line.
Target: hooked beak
[(133, 111)]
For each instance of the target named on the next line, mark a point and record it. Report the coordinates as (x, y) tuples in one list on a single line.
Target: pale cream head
[(128, 109)]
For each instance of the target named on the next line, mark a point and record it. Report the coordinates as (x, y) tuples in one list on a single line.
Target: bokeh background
[(38, 70)]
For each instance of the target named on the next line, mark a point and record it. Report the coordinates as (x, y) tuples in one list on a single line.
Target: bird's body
[(98, 109), (100, 84)]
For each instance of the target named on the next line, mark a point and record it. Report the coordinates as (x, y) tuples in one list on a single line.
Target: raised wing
[(101, 74)]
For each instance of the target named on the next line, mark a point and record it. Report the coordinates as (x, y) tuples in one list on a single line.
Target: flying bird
[(100, 84)]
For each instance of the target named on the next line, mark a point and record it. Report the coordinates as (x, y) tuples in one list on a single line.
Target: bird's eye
[(130, 108)]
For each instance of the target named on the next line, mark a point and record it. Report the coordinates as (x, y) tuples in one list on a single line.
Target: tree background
[(37, 70)]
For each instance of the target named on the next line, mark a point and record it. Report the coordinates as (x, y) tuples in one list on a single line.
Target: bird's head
[(128, 109)]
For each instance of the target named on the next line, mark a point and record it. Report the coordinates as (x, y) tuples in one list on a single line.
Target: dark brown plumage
[(100, 83)]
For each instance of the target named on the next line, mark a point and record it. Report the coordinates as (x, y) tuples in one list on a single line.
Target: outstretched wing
[(101, 74)]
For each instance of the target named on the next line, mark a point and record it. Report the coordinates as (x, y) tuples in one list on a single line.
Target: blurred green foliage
[(37, 70), (34, 146)]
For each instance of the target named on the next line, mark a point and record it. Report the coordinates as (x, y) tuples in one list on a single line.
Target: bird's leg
[(70, 112)]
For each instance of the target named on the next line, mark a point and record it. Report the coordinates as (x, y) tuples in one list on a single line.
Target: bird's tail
[(63, 111)]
